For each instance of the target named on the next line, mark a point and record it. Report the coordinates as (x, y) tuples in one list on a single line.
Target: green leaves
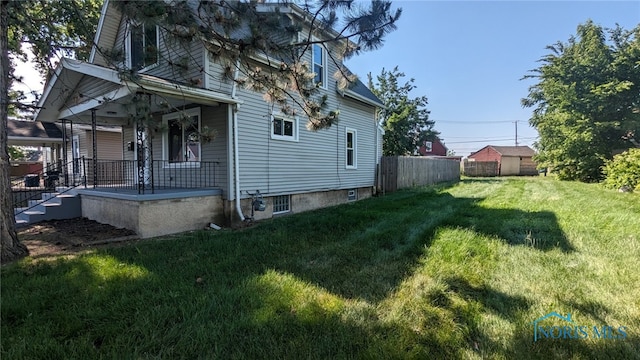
[(404, 119), (586, 100), (623, 171), (52, 28), (272, 46)]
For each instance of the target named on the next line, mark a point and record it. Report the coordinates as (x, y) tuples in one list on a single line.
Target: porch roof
[(110, 93), (32, 133)]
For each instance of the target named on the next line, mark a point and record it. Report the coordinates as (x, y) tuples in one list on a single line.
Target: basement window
[(281, 204), (352, 195)]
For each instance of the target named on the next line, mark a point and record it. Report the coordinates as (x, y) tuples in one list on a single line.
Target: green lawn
[(439, 272)]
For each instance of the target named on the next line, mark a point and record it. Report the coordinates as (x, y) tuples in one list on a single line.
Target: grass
[(456, 271)]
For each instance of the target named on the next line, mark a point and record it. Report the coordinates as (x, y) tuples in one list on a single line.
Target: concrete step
[(65, 206)]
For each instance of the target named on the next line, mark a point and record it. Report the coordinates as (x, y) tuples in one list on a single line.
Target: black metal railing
[(158, 174), (31, 186), (114, 175)]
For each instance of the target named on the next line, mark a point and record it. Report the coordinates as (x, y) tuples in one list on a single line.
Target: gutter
[(354, 95)]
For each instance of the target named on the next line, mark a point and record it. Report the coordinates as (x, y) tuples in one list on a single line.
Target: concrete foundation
[(298, 203), (154, 215)]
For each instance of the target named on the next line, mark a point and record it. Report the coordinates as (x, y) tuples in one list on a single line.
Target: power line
[(475, 122), (485, 140)]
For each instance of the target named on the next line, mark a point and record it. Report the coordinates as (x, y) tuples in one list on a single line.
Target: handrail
[(112, 174), (32, 186)]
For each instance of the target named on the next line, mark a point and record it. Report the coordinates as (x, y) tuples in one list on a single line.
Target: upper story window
[(181, 143), (284, 128), (143, 46), (428, 146), (351, 150), (320, 65)]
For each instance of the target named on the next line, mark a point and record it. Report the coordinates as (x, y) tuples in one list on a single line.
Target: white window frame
[(428, 146), (323, 52), (129, 49), (288, 197), (354, 149), (165, 138), (279, 117)]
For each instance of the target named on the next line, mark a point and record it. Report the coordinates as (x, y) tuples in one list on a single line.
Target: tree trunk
[(11, 248)]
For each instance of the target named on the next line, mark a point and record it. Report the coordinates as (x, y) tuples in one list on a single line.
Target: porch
[(157, 199), (167, 211)]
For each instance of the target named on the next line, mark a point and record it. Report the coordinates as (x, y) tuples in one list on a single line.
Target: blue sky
[(468, 58)]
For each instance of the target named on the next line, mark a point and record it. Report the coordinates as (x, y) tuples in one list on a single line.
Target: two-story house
[(257, 163)]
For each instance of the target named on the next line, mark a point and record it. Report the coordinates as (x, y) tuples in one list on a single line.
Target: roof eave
[(354, 95), (96, 38)]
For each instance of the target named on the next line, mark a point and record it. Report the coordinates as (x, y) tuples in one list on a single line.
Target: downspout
[(236, 164), (377, 177)]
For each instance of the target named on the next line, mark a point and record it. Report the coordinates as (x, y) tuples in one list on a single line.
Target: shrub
[(623, 170)]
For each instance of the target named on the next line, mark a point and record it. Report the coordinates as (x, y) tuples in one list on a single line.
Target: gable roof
[(110, 19), (519, 151), (359, 91), (514, 150), (33, 130)]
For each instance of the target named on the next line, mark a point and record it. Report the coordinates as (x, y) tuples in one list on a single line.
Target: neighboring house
[(512, 160), (181, 182), (433, 148), (79, 148), (45, 136)]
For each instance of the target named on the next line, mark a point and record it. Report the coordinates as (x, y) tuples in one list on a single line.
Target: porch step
[(52, 206)]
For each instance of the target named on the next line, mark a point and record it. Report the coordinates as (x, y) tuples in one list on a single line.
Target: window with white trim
[(351, 140), (284, 128), (181, 140), (428, 146), (143, 46), (320, 65), (281, 204)]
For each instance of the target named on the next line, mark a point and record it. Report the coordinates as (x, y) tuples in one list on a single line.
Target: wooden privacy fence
[(481, 168), (399, 172)]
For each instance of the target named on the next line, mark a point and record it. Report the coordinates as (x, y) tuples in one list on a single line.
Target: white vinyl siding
[(213, 117), (89, 89), (316, 162)]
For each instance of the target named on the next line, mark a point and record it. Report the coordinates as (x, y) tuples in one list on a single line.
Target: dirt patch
[(59, 237)]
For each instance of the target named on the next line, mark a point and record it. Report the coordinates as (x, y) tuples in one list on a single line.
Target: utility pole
[(516, 122)]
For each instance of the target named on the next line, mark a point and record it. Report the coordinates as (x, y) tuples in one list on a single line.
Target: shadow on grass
[(534, 229), (307, 285), (363, 251)]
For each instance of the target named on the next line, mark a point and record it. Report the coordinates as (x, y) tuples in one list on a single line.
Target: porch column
[(64, 166), (144, 154), (45, 158), (94, 137)]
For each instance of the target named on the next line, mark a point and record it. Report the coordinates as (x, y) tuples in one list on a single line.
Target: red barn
[(512, 160)]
